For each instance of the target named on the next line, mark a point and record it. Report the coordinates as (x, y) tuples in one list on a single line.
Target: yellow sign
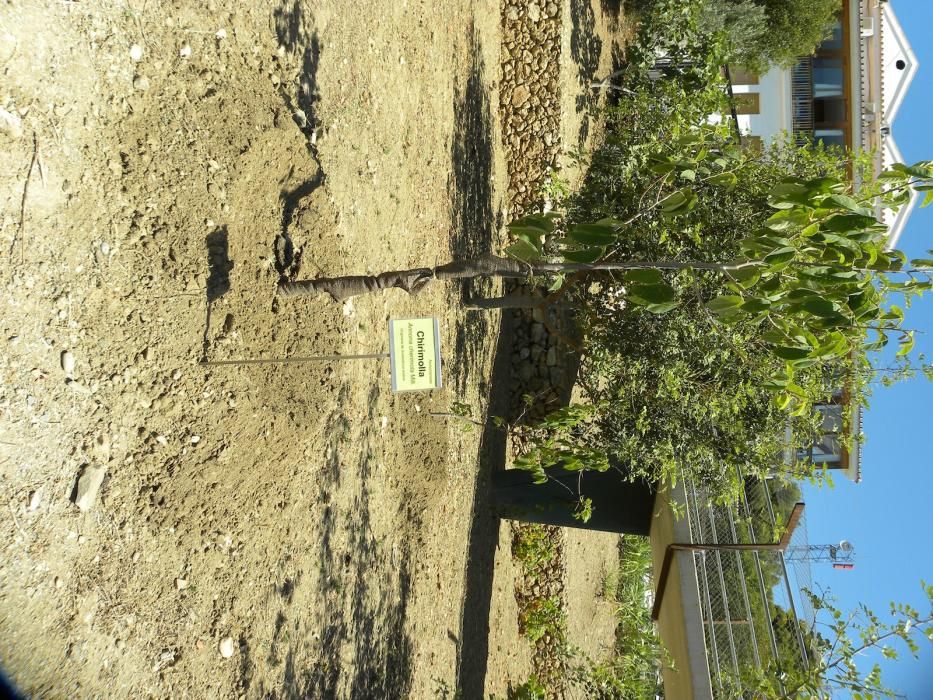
[(415, 354)]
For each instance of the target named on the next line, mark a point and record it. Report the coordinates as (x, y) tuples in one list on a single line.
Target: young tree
[(760, 33), (848, 637), (813, 276)]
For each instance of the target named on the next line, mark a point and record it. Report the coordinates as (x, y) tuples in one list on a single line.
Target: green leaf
[(726, 304), (819, 307), (644, 276), (894, 313), (847, 223), (791, 354), (756, 305), (592, 234), (835, 346), (662, 308), (780, 258), (845, 202), (535, 241), (677, 201), (648, 294), (543, 222), (587, 255), (746, 277), (789, 187), (787, 219), (524, 251), (922, 262), (728, 180), (893, 175), (906, 344), (690, 175)]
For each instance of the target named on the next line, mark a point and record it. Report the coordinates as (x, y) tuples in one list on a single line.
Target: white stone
[(68, 363), (88, 485), (136, 52), (227, 647), (10, 124), (185, 51)]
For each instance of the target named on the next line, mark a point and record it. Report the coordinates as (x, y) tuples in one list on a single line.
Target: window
[(828, 77), (829, 111), (748, 103)]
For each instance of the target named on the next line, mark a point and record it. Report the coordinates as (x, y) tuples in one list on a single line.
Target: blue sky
[(889, 516)]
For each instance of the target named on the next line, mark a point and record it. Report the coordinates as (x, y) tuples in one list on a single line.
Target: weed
[(542, 616), (533, 547)]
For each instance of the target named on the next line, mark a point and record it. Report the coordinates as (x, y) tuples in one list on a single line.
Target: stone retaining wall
[(530, 95)]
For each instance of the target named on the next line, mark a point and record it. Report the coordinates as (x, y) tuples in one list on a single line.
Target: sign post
[(415, 354)]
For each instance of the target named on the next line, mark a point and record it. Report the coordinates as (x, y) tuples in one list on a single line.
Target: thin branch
[(447, 414)]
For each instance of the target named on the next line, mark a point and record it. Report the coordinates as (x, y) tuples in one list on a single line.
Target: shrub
[(756, 33), (680, 393)]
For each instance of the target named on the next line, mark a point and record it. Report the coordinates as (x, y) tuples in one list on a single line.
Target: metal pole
[(284, 360)]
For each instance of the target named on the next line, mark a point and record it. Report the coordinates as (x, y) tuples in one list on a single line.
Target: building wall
[(680, 623), (774, 115)]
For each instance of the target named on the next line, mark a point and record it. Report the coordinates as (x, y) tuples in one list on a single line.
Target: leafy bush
[(532, 689), (756, 33), (681, 393), (533, 547), (795, 28), (542, 616)]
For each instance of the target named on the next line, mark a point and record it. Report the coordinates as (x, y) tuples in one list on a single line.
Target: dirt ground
[(171, 161)]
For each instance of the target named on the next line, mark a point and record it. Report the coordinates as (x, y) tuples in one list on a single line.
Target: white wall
[(774, 97)]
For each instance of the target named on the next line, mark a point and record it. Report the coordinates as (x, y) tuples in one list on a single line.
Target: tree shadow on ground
[(474, 226), (294, 33), (471, 210), (473, 640), (362, 590), (585, 49), (219, 266)]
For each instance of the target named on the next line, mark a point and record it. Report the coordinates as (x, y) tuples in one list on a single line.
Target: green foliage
[(752, 282), (744, 23), (682, 392), (834, 668), (542, 616), (533, 547), (562, 440), (632, 670), (795, 28), (754, 33), (531, 689)]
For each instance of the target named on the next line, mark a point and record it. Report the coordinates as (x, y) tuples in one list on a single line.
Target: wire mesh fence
[(749, 599)]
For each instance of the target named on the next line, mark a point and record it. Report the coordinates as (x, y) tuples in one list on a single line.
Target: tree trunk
[(618, 505), (414, 280), (515, 301)]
